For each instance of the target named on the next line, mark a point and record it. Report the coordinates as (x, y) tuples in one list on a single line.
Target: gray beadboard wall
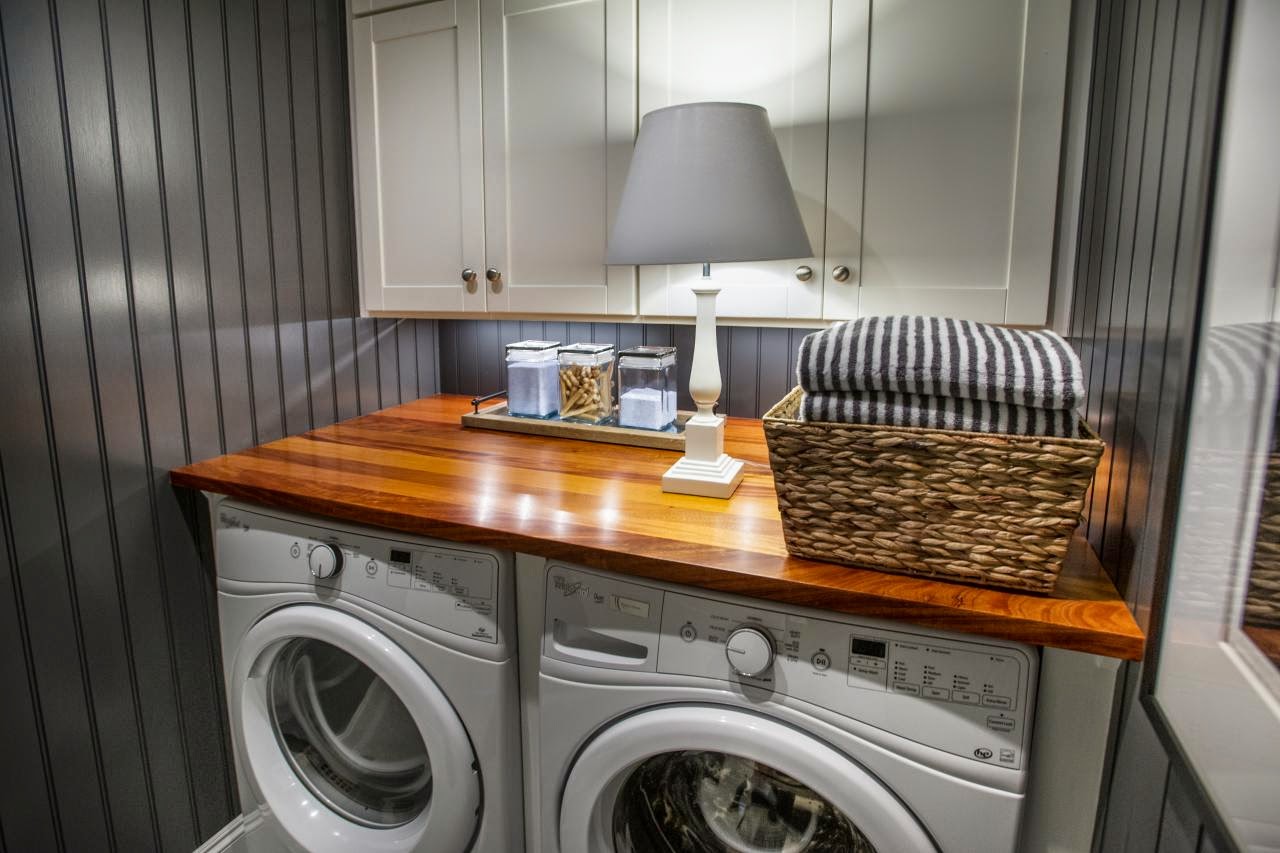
[(1152, 126), (176, 281), (757, 365)]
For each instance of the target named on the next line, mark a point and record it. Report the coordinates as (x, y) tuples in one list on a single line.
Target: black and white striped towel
[(943, 357), (951, 413)]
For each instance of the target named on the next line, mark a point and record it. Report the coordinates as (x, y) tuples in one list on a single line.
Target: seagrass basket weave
[(1262, 598), (983, 508)]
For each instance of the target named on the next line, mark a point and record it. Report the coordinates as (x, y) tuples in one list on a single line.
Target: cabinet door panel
[(964, 105), (846, 139), (767, 52), (559, 125), (417, 151)]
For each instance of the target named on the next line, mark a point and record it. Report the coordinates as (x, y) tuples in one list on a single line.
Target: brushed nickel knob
[(804, 272), (469, 276), (495, 279), (840, 273)]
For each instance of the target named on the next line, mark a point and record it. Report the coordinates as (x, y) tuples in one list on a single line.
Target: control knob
[(325, 561), (750, 652)]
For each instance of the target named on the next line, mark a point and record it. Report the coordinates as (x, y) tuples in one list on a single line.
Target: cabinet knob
[(495, 279), (469, 277), (804, 272), (840, 273)]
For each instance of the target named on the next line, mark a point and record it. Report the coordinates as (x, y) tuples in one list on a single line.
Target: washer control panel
[(968, 697), (452, 589)]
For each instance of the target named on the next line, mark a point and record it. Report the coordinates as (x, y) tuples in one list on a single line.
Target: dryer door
[(349, 743), (720, 780)]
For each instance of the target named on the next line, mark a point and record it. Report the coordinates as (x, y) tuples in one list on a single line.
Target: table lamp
[(706, 185)]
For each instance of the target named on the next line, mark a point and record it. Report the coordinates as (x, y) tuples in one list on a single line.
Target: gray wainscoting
[(176, 281), (757, 365), (1144, 214)]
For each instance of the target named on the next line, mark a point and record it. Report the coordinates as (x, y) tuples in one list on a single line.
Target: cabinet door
[(846, 140), (767, 52), (416, 116), (964, 115), (560, 122)]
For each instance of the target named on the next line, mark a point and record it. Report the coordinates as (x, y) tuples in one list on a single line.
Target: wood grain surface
[(413, 468)]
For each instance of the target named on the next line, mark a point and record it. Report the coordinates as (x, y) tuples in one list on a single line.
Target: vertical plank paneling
[(304, 131), (277, 119), (221, 215), (170, 213), (30, 816), (1145, 210), (256, 255)]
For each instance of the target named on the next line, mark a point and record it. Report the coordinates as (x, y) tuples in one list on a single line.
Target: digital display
[(868, 648), (400, 556)]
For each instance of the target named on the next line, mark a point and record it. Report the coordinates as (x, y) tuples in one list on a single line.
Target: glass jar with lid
[(533, 385), (647, 387), (586, 383)]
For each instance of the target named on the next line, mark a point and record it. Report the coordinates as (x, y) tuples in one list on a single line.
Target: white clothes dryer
[(669, 719), (372, 687)]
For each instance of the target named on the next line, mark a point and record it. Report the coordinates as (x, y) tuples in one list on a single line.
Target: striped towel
[(951, 413), (942, 357)]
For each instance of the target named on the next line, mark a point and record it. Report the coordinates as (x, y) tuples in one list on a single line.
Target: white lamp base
[(705, 469), (716, 479)]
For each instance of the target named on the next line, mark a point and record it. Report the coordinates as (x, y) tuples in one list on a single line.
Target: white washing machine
[(669, 719), (372, 686)]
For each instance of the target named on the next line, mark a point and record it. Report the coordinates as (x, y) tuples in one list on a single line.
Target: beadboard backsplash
[(757, 365)]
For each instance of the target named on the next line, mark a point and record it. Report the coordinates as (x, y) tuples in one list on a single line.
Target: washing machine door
[(699, 779), (349, 743)]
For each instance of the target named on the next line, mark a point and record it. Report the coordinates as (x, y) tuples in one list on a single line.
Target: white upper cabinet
[(416, 126), (559, 125), (768, 52), (921, 138), (958, 187)]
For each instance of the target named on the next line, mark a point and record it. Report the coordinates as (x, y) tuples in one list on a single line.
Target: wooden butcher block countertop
[(414, 468)]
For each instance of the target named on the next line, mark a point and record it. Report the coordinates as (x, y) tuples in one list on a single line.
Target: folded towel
[(942, 357), (892, 409)]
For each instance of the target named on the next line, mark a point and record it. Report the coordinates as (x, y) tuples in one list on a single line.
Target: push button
[(1000, 724), (965, 697), (992, 701), (940, 693), (688, 633), (821, 661), (909, 689)]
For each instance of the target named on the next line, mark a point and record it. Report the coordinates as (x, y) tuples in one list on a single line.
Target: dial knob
[(750, 652), (325, 561)]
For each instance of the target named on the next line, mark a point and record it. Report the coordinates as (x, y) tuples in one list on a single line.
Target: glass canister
[(586, 383), (533, 383), (647, 387)]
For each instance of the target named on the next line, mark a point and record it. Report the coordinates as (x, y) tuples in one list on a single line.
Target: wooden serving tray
[(496, 417)]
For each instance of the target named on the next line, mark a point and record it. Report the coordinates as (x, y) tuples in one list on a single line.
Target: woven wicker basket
[(1262, 598), (992, 509)]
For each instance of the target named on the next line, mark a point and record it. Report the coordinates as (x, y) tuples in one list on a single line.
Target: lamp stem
[(705, 469), (704, 374)]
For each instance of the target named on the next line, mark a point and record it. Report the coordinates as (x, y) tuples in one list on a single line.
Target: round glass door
[(713, 802), (348, 736), (707, 779), (346, 740)]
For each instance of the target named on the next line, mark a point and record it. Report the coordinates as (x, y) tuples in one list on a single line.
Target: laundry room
[(640, 426)]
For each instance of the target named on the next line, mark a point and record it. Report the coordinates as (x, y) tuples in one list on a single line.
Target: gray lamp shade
[(707, 185)]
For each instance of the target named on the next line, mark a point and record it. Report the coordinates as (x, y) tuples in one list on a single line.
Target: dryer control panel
[(968, 697), (453, 589)]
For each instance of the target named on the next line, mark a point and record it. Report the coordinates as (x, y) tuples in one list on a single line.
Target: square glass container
[(533, 379), (586, 383), (647, 387)]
